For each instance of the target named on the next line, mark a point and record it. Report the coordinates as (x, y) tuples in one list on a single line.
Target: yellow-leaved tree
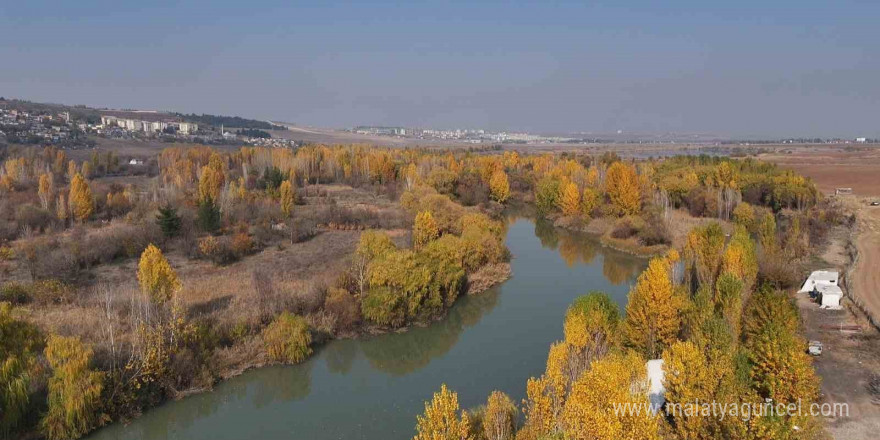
[(499, 186), (622, 186), (590, 200), (570, 199), (156, 277), (499, 420), (81, 203), (425, 229), (74, 390), (45, 190), (653, 317), (592, 409), (210, 183), (287, 197), (441, 420), (688, 381)]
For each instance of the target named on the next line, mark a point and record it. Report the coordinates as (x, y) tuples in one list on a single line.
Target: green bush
[(287, 339)]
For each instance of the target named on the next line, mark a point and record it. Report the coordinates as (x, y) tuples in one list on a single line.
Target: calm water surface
[(374, 388)]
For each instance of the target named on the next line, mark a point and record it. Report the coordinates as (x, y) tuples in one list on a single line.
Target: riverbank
[(371, 387)]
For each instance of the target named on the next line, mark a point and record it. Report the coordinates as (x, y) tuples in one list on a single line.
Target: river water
[(374, 388)]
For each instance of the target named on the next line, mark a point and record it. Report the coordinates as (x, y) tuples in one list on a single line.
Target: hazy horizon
[(746, 70)]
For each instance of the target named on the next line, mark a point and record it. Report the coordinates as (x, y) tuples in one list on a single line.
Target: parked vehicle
[(815, 348)]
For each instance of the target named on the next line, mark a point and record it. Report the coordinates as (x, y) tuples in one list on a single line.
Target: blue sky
[(752, 68)]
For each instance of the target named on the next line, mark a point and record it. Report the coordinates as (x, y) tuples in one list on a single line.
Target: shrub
[(287, 339), (15, 293), (6, 253), (624, 229), (384, 307), (242, 244), (344, 307), (33, 217)]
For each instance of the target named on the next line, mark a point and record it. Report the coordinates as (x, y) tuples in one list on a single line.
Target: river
[(374, 388)]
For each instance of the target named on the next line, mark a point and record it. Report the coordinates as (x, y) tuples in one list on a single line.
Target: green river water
[(374, 388)]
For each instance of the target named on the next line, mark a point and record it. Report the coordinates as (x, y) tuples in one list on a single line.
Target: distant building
[(861, 140), (187, 127)]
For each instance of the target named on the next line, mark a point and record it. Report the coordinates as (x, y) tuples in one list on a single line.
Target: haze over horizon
[(804, 68)]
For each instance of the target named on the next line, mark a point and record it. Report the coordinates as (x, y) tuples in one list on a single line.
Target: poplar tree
[(499, 186), (441, 420), (156, 277), (652, 312), (45, 190), (622, 186), (570, 199), (287, 198), (81, 203)]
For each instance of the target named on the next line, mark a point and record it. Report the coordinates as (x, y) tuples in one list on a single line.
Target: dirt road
[(864, 286)]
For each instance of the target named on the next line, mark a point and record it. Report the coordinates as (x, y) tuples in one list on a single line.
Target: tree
[(744, 215), (499, 420), (287, 197), (688, 381), (622, 186), (546, 194), (441, 419), (81, 203), (782, 370), (287, 339), (19, 343), (86, 169), (729, 299), (208, 215), (703, 249), (590, 200), (210, 183), (591, 324), (740, 258), (652, 312), (72, 170), (570, 199), (74, 390), (156, 277), (45, 190), (425, 229), (767, 233), (591, 410), (168, 220), (499, 186)]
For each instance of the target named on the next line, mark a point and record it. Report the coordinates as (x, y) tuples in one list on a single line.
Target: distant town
[(483, 136), (22, 122)]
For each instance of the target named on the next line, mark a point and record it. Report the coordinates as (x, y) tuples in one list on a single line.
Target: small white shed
[(829, 296), (656, 390), (820, 278)]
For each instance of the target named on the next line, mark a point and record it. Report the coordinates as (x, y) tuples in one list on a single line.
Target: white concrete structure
[(820, 278), (656, 390), (829, 295)]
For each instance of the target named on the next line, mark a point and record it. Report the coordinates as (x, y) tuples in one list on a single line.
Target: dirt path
[(865, 283)]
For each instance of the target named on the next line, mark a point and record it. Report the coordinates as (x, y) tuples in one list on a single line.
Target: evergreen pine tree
[(208, 215), (168, 220)]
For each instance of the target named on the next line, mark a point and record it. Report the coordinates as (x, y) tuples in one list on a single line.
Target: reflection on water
[(373, 388), (402, 353)]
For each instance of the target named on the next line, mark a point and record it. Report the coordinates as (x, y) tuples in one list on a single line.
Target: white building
[(861, 140), (824, 284), (187, 127), (829, 295), (820, 278)]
